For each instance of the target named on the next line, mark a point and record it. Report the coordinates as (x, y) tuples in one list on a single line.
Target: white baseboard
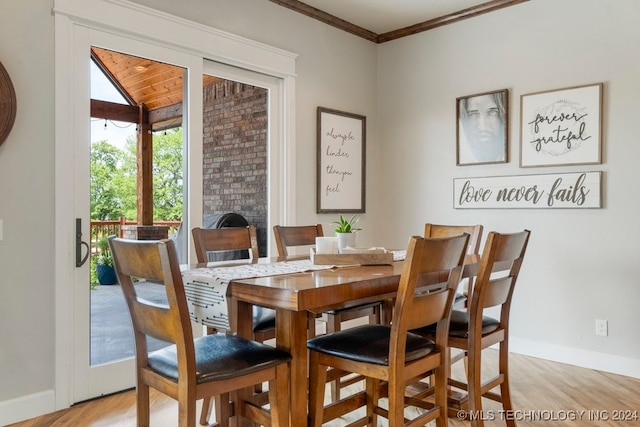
[(577, 357), (26, 407)]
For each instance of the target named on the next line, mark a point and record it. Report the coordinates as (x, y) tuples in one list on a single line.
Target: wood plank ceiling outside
[(156, 86)]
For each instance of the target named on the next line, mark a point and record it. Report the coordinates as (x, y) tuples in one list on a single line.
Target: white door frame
[(78, 25)]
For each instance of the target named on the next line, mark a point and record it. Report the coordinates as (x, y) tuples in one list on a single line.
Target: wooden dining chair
[(475, 236), (305, 235), (296, 236), (472, 330), (388, 355), (233, 240), (191, 369), (473, 248)]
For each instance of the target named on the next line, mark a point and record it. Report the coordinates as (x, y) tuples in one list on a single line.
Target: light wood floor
[(545, 394)]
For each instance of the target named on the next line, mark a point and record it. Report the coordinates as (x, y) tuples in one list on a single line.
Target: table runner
[(206, 287)]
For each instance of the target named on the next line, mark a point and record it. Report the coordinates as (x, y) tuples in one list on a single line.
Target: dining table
[(301, 293)]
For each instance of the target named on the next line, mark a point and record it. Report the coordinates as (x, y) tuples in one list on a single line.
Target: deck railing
[(101, 229)]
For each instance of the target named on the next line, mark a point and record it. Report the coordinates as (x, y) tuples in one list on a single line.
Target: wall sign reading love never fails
[(340, 170), (563, 190)]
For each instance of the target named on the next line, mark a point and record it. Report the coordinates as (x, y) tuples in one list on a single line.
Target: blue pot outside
[(106, 274)]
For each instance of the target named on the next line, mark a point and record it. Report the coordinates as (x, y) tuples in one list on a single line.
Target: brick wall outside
[(145, 232), (235, 153)]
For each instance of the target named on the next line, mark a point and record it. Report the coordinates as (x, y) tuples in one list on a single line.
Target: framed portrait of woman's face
[(481, 128)]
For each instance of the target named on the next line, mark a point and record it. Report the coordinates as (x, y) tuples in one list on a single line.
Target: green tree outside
[(106, 162), (167, 176), (113, 178)]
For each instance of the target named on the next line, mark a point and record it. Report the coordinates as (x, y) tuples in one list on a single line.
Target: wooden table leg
[(241, 314), (241, 317), (291, 335)]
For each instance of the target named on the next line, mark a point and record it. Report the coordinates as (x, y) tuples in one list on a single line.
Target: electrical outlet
[(602, 328)]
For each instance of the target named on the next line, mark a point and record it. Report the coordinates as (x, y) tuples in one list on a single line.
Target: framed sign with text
[(561, 127), (550, 191), (341, 143)]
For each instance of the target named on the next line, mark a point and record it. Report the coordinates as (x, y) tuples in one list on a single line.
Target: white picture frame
[(561, 127)]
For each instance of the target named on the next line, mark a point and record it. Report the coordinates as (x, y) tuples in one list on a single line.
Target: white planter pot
[(346, 239)]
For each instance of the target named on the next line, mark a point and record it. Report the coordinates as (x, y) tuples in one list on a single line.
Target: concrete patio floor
[(111, 330)]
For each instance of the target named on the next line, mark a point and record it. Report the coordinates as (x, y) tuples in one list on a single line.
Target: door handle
[(80, 260)]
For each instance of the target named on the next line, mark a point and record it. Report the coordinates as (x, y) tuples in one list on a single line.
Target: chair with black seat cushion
[(207, 240), (472, 330), (475, 236), (473, 248), (305, 235), (390, 356), (233, 240), (191, 369)]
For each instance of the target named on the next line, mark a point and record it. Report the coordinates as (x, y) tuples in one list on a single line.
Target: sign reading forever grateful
[(561, 127), (341, 161), (564, 190)]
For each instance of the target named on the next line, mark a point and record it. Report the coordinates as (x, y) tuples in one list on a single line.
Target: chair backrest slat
[(224, 239), (440, 230), (428, 308), (296, 235), (497, 292)]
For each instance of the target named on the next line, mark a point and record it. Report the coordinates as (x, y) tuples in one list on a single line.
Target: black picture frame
[(341, 161), (482, 128)]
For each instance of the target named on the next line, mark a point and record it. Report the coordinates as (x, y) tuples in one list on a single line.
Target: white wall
[(580, 264), (26, 203)]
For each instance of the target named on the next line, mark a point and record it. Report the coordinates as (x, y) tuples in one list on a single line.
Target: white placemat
[(399, 255)]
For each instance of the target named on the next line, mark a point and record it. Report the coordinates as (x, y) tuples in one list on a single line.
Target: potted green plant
[(346, 231), (104, 265)]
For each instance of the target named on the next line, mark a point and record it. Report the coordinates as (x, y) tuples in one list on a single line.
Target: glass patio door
[(103, 340)]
